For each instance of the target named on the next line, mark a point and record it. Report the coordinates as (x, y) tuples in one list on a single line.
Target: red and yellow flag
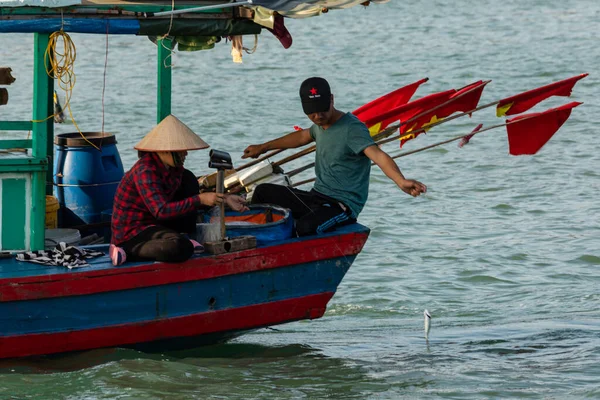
[(524, 101), (387, 102), (528, 133), (407, 111), (464, 99)]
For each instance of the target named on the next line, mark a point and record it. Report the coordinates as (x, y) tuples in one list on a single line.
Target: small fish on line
[(427, 324)]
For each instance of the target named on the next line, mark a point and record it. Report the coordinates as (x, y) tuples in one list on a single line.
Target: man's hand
[(211, 198), (412, 187), (236, 203), (255, 150)]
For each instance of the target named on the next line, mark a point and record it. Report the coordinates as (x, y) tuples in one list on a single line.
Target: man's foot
[(198, 248), (117, 255)]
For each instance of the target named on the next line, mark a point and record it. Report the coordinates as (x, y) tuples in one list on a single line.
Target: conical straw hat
[(171, 135)]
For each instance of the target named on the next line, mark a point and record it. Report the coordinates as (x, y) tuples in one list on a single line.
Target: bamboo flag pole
[(411, 88), (527, 99), (380, 138), (473, 133), (260, 159), (476, 131), (421, 130), (390, 129)]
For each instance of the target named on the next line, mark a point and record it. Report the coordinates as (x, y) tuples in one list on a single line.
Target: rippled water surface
[(503, 251)]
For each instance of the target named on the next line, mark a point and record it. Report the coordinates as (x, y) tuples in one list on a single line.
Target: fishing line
[(165, 36), (104, 79)]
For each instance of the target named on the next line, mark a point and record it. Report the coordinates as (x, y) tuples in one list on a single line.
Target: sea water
[(503, 251)]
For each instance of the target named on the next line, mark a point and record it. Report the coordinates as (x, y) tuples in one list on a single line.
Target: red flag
[(526, 100), (387, 102), (407, 111), (463, 100), (529, 132), (469, 97)]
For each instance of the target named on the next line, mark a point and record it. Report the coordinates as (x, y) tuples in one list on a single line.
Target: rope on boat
[(59, 66)]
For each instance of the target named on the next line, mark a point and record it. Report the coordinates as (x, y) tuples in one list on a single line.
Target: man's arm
[(389, 167), (289, 141)]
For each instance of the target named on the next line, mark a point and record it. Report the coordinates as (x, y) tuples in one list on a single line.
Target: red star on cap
[(313, 91)]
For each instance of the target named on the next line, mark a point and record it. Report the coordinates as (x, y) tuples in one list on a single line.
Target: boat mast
[(164, 78)]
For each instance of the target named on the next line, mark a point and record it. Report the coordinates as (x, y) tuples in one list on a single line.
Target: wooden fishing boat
[(54, 309), (208, 298)]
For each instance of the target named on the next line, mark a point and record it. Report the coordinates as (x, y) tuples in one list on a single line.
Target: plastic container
[(86, 178), (52, 207), (267, 223), (55, 236)]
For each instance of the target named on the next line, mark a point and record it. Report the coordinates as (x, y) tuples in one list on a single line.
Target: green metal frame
[(42, 127), (16, 144), (164, 76), (42, 135), (16, 126)]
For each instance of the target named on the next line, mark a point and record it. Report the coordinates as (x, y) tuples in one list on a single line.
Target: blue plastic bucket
[(86, 175), (267, 223)]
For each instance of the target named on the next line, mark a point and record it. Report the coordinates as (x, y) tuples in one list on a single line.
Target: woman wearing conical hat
[(157, 200)]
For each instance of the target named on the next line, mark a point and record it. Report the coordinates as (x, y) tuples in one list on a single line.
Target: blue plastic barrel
[(86, 175)]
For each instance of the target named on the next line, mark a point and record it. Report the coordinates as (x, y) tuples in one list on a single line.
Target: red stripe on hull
[(123, 278), (248, 317)]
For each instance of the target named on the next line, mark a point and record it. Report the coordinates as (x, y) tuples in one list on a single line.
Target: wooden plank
[(231, 245), (3, 96), (5, 77)]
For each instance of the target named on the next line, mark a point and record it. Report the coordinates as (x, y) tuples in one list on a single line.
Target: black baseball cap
[(315, 95)]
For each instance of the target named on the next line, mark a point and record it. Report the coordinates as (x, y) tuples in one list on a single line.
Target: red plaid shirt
[(144, 198)]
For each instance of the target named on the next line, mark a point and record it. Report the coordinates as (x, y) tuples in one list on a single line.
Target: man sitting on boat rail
[(157, 200), (343, 158)]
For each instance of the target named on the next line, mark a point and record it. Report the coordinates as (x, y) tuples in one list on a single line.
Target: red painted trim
[(155, 274), (248, 317)]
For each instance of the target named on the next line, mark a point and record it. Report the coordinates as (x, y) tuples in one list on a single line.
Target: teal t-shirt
[(341, 167)]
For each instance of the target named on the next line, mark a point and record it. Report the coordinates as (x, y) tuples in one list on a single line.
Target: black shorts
[(313, 212)]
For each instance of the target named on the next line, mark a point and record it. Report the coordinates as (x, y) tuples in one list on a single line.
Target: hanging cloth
[(237, 46)]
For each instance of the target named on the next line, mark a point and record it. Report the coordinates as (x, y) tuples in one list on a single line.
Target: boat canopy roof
[(288, 8), (184, 18)]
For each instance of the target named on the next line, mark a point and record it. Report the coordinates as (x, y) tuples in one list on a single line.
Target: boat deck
[(11, 269)]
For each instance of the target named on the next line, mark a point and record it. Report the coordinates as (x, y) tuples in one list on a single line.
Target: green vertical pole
[(163, 99), (42, 136)]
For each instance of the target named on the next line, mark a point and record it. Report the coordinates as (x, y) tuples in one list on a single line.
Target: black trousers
[(167, 241), (313, 212)]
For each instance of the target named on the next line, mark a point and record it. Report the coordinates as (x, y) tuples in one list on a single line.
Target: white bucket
[(55, 236), (208, 232)]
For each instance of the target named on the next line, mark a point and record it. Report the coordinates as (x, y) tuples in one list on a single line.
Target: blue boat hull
[(204, 300)]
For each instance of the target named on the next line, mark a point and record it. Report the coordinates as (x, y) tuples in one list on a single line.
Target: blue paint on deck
[(10, 268)]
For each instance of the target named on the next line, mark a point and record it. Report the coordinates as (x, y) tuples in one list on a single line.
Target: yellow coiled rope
[(59, 59)]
